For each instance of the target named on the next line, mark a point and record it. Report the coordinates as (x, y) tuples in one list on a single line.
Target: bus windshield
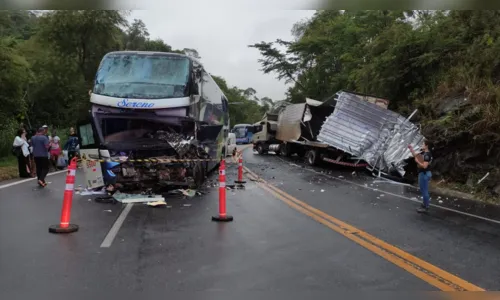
[(240, 132), (142, 76)]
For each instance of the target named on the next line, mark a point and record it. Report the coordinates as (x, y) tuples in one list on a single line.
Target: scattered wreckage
[(348, 129)]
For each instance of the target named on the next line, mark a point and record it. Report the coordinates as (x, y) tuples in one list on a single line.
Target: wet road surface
[(269, 246), (461, 245)]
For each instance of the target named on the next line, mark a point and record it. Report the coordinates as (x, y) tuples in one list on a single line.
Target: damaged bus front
[(150, 110)]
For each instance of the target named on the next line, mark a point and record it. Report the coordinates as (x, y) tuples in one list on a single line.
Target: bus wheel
[(312, 157), (199, 175)]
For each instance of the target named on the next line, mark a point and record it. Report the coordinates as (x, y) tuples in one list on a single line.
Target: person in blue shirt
[(72, 144), (41, 145)]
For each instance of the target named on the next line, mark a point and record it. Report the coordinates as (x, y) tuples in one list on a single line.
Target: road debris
[(156, 203), (88, 192), (484, 177), (135, 198)]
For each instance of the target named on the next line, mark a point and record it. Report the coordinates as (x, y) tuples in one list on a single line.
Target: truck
[(156, 120), (296, 128), (349, 129)]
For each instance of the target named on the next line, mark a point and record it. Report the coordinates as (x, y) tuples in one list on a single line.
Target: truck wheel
[(301, 153), (312, 157), (285, 150), (260, 149)]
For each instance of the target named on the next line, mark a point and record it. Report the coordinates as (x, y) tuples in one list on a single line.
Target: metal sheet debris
[(371, 133), (136, 198), (88, 192), (157, 203)]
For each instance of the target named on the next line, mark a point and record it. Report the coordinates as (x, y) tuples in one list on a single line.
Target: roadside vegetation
[(48, 62), (443, 63)]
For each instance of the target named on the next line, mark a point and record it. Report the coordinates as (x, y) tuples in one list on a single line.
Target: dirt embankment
[(466, 143)]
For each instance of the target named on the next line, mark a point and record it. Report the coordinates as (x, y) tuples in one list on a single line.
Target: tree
[(249, 93), (241, 108), (157, 45), (84, 34), (136, 35), (14, 80), (191, 52)]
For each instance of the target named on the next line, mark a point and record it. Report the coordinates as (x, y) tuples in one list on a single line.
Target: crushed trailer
[(297, 128), (347, 129)]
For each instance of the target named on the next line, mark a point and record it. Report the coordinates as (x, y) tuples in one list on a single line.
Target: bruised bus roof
[(154, 53)]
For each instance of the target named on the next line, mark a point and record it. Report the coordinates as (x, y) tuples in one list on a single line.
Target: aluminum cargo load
[(370, 132)]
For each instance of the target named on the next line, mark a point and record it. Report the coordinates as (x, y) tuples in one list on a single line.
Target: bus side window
[(225, 104)]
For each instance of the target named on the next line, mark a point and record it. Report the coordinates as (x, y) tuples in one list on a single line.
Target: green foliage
[(243, 109)]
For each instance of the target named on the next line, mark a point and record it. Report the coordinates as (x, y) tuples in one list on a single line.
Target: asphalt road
[(294, 229)]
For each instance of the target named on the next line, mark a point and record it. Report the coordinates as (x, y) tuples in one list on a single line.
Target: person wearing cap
[(46, 130), (41, 145)]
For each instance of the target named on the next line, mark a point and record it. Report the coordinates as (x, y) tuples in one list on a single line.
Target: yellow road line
[(429, 273)]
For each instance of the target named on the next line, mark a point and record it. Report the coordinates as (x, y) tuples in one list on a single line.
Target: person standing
[(32, 133), (21, 150), (55, 148), (45, 130), (424, 160), (40, 143), (72, 144)]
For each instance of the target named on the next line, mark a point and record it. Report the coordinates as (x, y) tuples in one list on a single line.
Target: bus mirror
[(90, 92)]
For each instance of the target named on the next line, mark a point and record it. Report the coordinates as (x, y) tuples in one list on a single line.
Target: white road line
[(108, 240), (29, 179), (399, 196)]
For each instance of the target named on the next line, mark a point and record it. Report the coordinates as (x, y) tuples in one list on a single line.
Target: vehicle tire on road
[(260, 149), (285, 150), (312, 157), (198, 175)]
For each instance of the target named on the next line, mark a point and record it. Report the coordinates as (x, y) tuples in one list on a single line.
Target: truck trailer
[(297, 128), (348, 129)]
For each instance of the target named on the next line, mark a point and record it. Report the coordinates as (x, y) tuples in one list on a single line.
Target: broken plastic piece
[(157, 203)]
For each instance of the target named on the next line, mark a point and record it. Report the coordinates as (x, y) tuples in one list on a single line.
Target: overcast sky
[(222, 36)]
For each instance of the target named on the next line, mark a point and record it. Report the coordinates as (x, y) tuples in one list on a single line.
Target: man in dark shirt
[(72, 144), (423, 161), (40, 143)]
